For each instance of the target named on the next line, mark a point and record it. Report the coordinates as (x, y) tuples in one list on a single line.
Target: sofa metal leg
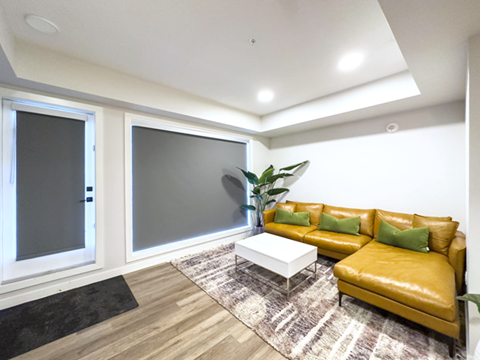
[(340, 294), (451, 347)]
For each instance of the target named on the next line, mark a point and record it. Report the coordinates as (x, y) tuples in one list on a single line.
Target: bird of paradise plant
[(475, 298), (263, 188)]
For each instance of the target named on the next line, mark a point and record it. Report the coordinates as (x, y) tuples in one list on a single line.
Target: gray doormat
[(28, 326)]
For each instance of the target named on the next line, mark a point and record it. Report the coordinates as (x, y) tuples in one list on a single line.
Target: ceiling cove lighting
[(350, 62), (40, 24), (265, 96)]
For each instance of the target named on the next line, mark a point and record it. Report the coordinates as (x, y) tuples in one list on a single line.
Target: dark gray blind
[(184, 186), (50, 182)]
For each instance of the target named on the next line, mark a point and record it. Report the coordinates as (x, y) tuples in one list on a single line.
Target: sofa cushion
[(367, 217), (441, 232), (293, 232), (315, 210), (349, 226), (439, 218), (288, 217), (342, 243), (425, 282), (399, 220), (287, 207)]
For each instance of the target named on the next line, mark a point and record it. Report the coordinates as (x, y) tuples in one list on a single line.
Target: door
[(48, 190)]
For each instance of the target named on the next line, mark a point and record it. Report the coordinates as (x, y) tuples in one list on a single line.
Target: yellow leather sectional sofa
[(417, 286)]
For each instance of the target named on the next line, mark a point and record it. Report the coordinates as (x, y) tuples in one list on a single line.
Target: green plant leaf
[(269, 168), (475, 298), (258, 189), (256, 196), (291, 167), (273, 178), (266, 174), (276, 191), (251, 177), (248, 207), (270, 201)]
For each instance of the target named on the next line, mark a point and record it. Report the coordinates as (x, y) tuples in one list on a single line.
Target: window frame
[(164, 124)]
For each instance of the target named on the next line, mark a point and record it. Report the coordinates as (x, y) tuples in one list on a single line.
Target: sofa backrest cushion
[(288, 207), (314, 209), (399, 220), (438, 218), (441, 233), (367, 217)]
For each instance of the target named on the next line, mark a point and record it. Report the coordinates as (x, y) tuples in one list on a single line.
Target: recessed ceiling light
[(350, 62), (265, 96), (43, 25)]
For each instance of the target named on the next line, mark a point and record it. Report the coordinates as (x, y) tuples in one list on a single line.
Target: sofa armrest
[(268, 216), (457, 257)]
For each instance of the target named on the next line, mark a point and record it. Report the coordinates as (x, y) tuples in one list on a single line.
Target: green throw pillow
[(411, 239), (350, 226), (291, 218)]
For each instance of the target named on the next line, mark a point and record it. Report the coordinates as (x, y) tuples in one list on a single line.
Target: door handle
[(88, 199)]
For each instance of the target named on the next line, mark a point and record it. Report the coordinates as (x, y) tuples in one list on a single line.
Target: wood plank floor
[(175, 320)]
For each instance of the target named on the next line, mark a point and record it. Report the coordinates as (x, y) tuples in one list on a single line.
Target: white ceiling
[(202, 47), (104, 49)]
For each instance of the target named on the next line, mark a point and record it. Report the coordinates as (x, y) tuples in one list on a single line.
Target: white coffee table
[(282, 256)]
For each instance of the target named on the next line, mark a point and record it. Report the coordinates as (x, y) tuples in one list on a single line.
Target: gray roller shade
[(184, 186), (50, 182)]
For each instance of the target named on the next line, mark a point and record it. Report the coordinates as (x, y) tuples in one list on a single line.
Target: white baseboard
[(90, 278)]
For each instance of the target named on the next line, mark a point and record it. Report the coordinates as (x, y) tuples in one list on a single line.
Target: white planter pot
[(477, 352)]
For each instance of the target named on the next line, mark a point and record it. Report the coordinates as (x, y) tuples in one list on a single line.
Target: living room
[(396, 131)]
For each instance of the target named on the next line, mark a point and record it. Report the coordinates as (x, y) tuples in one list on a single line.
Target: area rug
[(311, 325), (36, 323)]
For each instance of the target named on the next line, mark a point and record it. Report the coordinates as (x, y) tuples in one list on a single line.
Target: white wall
[(473, 195), (419, 169), (47, 67), (114, 213)]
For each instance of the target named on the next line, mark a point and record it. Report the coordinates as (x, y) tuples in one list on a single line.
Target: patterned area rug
[(311, 325)]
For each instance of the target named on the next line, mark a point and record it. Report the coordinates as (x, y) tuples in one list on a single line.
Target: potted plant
[(475, 298), (263, 190)]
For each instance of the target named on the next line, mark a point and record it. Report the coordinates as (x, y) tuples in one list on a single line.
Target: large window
[(182, 187), (48, 189)]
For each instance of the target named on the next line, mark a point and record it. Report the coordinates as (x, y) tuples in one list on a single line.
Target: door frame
[(94, 116)]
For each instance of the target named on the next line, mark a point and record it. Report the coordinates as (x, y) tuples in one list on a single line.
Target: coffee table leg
[(315, 271), (288, 289), (236, 266)]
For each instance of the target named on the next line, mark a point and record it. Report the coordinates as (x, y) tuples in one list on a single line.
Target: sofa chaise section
[(421, 287)]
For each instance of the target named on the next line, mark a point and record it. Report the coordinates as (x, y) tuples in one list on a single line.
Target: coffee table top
[(276, 247)]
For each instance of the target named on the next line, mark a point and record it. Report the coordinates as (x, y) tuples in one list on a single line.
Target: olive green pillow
[(291, 218), (411, 239), (350, 226)]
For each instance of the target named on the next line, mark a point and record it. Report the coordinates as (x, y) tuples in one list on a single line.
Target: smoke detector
[(391, 128)]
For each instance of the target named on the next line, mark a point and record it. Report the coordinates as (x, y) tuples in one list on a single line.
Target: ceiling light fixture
[(350, 62), (265, 96), (40, 24)]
